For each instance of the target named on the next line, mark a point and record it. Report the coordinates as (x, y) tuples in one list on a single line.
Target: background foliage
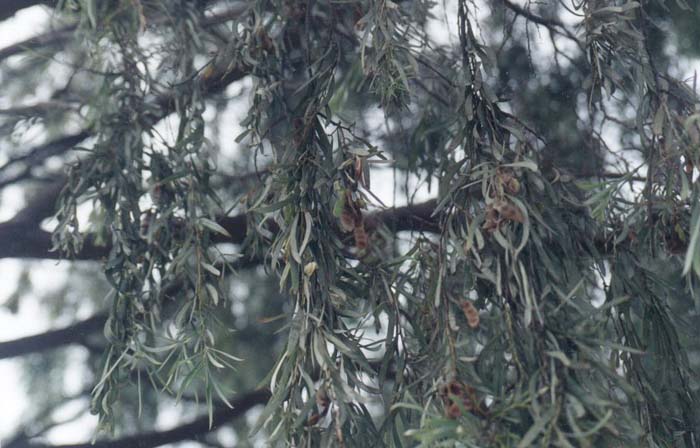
[(391, 223)]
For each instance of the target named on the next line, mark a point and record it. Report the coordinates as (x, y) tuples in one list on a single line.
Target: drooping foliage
[(545, 294)]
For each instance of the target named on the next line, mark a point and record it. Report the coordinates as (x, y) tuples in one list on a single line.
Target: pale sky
[(30, 319)]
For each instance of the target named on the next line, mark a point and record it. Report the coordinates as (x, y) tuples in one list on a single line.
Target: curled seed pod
[(513, 186), (357, 168), (471, 313), (507, 180), (322, 400), (347, 220), (458, 397), (450, 390), (492, 220), (469, 400), (688, 167), (453, 411), (313, 419), (264, 39), (510, 211), (455, 388), (361, 237)]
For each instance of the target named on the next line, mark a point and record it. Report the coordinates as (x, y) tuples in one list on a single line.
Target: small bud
[(310, 268)]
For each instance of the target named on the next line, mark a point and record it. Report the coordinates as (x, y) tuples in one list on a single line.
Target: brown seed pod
[(471, 313), (492, 220), (508, 181), (322, 399), (513, 186), (455, 388), (351, 216), (469, 400), (688, 167), (313, 419), (458, 397), (357, 169), (361, 237), (347, 220), (510, 211), (264, 39), (453, 411)]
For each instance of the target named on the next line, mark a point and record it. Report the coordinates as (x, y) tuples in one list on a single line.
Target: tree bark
[(19, 239), (72, 334)]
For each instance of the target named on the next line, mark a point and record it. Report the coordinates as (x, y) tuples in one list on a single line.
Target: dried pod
[(469, 400), (208, 72), (455, 388), (510, 211), (458, 396), (688, 167), (453, 411), (361, 237), (313, 419), (513, 186), (264, 39), (471, 313), (351, 216), (492, 220), (506, 178), (322, 400), (347, 220), (357, 167)]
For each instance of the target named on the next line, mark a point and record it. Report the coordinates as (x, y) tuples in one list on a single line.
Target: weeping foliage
[(545, 295)]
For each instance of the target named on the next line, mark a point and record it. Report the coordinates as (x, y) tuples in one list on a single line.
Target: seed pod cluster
[(503, 209), (500, 211), (352, 220), (458, 397), (507, 180)]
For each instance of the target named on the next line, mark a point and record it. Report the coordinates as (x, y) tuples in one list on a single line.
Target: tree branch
[(72, 334), (189, 431), (553, 25), (52, 38), (40, 153), (20, 240)]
